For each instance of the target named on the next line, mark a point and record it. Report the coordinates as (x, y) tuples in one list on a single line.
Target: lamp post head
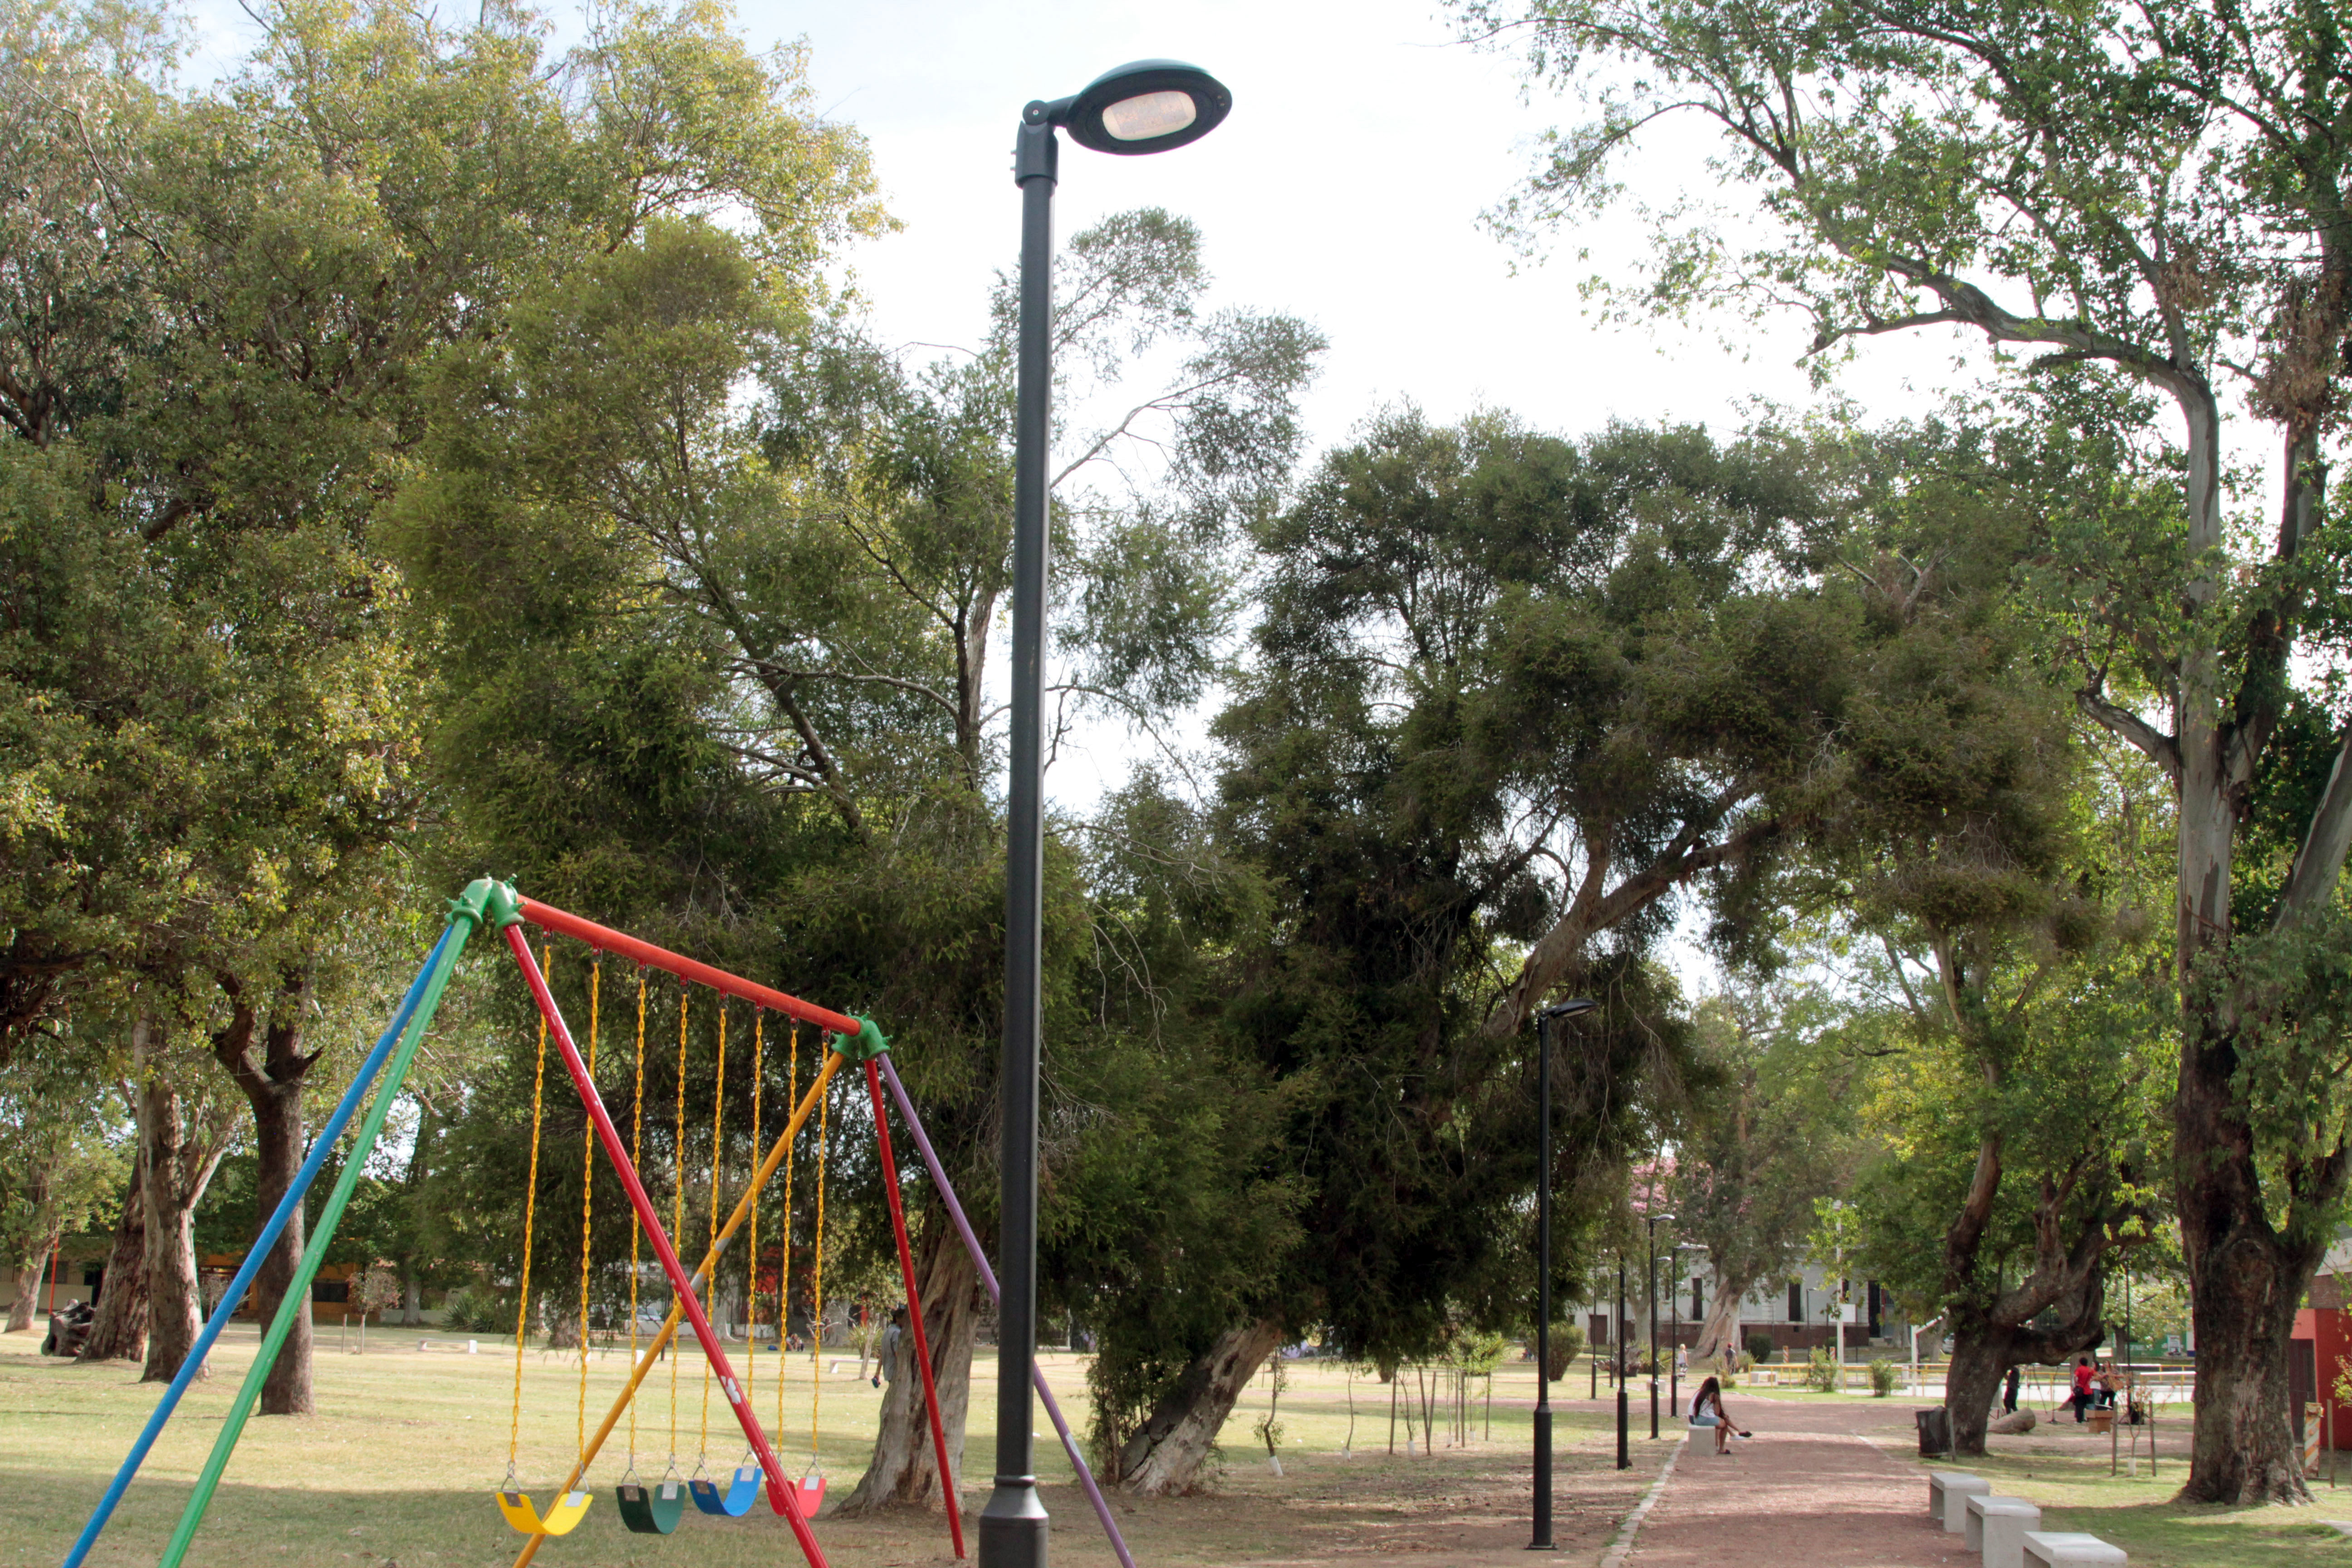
[(1653, 1220), (1144, 106), (1571, 1007)]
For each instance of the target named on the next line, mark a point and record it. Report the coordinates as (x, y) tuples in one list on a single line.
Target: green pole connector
[(865, 1045), (481, 903)]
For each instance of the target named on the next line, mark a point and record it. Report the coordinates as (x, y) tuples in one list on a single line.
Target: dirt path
[(1810, 1489)]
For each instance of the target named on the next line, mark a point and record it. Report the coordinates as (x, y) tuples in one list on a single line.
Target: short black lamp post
[(1541, 1540), (1651, 1225), (1150, 106)]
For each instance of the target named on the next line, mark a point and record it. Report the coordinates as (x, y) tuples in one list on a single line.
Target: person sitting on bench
[(1706, 1410)]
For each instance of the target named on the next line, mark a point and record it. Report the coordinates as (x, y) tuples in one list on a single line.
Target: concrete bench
[(1946, 1492), (2069, 1549), (1997, 1526)]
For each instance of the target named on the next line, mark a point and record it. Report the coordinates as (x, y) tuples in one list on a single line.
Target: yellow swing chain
[(529, 1208), (817, 1273), (677, 1200), (710, 1291), (636, 1229), (752, 1269), (784, 1269), (588, 1199)]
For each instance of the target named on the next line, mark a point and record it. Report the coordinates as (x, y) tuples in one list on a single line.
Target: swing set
[(656, 1507)]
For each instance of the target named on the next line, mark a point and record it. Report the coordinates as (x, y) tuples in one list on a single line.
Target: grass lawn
[(2063, 1469), (397, 1469)]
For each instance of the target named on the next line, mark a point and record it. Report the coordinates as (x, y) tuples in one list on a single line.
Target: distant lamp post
[(1651, 1224), (1674, 1301), (1572, 1007), (1149, 106)]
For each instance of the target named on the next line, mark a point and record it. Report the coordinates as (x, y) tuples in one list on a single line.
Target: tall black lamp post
[(1624, 1448), (1650, 1224), (1567, 1009), (1149, 106), (1674, 1299)]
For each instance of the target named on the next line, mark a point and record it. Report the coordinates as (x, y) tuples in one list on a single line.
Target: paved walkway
[(1809, 1490)]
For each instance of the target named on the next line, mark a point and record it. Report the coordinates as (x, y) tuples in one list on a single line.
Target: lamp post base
[(1012, 1527), (1542, 1542)]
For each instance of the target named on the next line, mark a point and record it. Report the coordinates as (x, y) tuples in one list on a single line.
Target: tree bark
[(40, 1187), (273, 1087), (119, 1330), (1980, 1359), (30, 1277), (903, 1469), (180, 1153), (1720, 1327), (1165, 1456)]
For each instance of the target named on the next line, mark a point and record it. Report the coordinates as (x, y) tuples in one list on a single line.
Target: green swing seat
[(652, 1510), (735, 1501)]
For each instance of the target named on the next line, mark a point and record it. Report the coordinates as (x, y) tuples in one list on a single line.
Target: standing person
[(2081, 1398), (1706, 1410), (2009, 1393), (889, 1367)]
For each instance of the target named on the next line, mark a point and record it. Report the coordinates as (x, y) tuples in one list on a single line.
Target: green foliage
[(1884, 1376), (1759, 1344), (1567, 1344), (1821, 1372)]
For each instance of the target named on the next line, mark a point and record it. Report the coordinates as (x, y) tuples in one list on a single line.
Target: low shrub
[(1761, 1346), (1884, 1374), (1567, 1344), (1821, 1372)]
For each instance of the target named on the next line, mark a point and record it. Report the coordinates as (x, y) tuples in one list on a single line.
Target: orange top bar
[(550, 918)]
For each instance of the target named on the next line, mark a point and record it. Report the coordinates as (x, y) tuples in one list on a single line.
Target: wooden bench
[(2070, 1549), (1946, 1492), (1997, 1526)]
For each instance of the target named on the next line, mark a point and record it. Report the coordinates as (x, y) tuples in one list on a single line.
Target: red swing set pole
[(779, 1496), (914, 1303)]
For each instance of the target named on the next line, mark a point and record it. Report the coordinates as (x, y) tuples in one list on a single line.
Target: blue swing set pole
[(233, 1296)]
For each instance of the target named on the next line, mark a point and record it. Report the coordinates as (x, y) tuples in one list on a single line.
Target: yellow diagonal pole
[(801, 1113)]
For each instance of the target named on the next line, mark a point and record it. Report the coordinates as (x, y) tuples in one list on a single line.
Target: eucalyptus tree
[(2154, 193)]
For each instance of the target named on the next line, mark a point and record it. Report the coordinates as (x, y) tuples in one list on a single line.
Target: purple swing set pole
[(987, 1277)]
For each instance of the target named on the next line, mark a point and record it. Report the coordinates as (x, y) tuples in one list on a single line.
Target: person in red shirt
[(2082, 1395)]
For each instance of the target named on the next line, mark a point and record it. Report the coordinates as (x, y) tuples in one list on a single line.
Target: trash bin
[(1934, 1431)]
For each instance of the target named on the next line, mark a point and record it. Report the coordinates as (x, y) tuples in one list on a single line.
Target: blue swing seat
[(736, 1500)]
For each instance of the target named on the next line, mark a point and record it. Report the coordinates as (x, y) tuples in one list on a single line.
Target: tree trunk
[(2246, 1282), (1980, 1359), (119, 1331), (273, 1087), (30, 1277), (903, 1469), (40, 1187), (1720, 1328), (1165, 1456), (180, 1155)]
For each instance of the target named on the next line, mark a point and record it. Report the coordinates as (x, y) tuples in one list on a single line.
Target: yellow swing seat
[(562, 1516)]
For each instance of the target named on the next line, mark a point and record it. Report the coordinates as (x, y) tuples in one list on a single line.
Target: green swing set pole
[(483, 900)]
